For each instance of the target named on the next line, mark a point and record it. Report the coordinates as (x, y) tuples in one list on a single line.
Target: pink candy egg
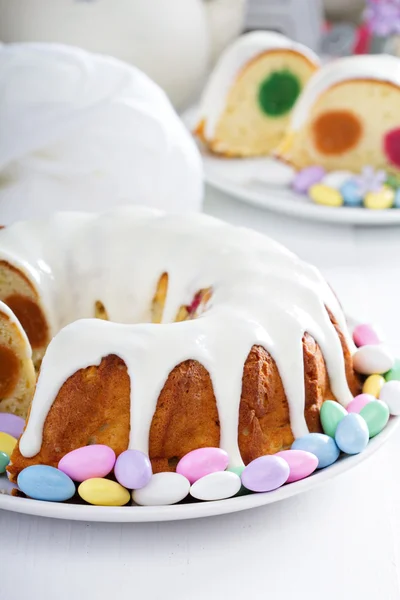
[(201, 462), (364, 335), (301, 463), (87, 462), (359, 402)]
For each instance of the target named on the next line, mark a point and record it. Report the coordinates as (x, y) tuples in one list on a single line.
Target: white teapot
[(173, 41)]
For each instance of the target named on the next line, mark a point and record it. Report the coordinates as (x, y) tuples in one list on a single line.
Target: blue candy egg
[(397, 199), (352, 434), (351, 194), (42, 482), (323, 446)]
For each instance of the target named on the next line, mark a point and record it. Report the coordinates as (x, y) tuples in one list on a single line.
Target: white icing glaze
[(262, 294), (26, 350), (381, 67), (231, 62), (82, 131)]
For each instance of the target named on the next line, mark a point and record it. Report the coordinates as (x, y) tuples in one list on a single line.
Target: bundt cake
[(82, 131), (247, 102), (217, 336), (17, 375), (348, 116)]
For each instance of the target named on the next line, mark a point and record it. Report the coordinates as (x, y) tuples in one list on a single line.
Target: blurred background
[(177, 42)]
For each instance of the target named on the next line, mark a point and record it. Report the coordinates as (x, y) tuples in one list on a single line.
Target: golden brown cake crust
[(93, 406)]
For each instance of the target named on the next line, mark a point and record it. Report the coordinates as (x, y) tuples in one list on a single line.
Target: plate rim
[(310, 212), (285, 201), (178, 512)]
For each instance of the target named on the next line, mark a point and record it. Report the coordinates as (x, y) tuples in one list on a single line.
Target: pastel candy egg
[(307, 177), (327, 196), (133, 469), (380, 200), (216, 486), (11, 424), (373, 385), (4, 461), (365, 335), (42, 482), (359, 402), (6, 487), (323, 446), (351, 193), (394, 373), (237, 470), (352, 434), (373, 359), (336, 179), (376, 414), (201, 462), (265, 474), (103, 492), (88, 462), (301, 463), (162, 489), (7, 443), (390, 395), (331, 414)]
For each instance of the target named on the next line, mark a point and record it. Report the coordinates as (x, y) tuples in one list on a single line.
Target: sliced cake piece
[(348, 117), (17, 374), (247, 103)]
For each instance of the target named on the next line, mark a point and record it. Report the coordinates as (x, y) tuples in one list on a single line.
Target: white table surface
[(339, 541)]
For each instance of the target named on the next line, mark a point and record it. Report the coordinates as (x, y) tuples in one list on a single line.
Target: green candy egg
[(394, 373), (331, 414), (376, 414), (238, 471), (4, 460)]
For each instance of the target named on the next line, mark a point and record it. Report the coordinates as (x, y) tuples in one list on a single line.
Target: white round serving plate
[(243, 179), (140, 514), (287, 202)]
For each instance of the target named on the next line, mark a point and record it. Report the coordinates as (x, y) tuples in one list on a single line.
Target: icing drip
[(261, 295)]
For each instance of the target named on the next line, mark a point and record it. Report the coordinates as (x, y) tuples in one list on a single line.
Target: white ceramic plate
[(238, 178), (195, 510)]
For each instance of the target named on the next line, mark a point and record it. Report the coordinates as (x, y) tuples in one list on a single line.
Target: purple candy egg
[(202, 462), (307, 177), (133, 469), (87, 462), (11, 424), (301, 463), (265, 474)]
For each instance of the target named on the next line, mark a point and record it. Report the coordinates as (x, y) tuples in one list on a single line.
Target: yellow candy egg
[(103, 492), (7, 443), (380, 200), (323, 194), (373, 385)]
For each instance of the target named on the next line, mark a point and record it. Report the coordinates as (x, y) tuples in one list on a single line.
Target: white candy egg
[(216, 486), (163, 489), (390, 394), (371, 359)]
